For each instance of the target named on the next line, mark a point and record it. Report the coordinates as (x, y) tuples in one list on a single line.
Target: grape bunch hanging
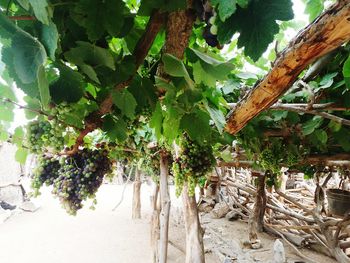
[(193, 163), (74, 178), (43, 134)]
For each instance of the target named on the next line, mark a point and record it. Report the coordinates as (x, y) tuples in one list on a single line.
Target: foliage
[(78, 64)]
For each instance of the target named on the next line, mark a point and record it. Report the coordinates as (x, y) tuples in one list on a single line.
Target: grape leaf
[(28, 56), (346, 72), (43, 86), (21, 155), (18, 136), (256, 25), (126, 102), (69, 87), (115, 129), (157, 120), (173, 66), (217, 116), (310, 126), (314, 8), (196, 124), (40, 8), (226, 8), (49, 38), (6, 114), (101, 17)]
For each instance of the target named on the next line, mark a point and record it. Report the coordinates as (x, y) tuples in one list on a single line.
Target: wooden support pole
[(329, 31), (165, 208), (136, 201), (194, 232)]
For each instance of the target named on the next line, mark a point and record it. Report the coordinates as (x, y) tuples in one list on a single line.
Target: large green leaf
[(69, 87), (256, 24), (40, 8), (28, 56), (173, 66), (115, 129), (197, 126), (346, 72), (99, 17), (49, 37), (126, 102), (217, 116)]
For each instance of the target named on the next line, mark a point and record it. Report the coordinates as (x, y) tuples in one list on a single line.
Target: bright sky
[(298, 8)]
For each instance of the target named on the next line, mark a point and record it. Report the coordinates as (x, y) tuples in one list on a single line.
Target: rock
[(232, 216), (257, 244), (7, 206), (279, 255), (220, 210), (29, 206), (205, 207)]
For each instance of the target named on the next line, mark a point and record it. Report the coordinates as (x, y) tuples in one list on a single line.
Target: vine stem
[(22, 18), (7, 100)]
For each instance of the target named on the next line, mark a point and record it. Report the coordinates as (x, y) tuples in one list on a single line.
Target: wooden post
[(136, 201), (256, 218), (155, 224), (165, 208), (194, 232)]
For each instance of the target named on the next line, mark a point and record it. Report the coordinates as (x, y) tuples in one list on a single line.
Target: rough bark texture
[(165, 209), (256, 219), (136, 201), (325, 34), (194, 232), (155, 224)]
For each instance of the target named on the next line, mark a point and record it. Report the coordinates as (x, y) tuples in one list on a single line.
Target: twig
[(125, 185), (23, 18)]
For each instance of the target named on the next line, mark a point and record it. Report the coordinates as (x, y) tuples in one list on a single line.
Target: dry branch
[(326, 33)]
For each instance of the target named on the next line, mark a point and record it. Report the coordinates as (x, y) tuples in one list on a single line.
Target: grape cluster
[(44, 134), (74, 178), (45, 173), (193, 163), (211, 30)]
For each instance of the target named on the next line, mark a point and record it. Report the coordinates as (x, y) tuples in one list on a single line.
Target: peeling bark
[(194, 232), (136, 201), (326, 33), (256, 218)]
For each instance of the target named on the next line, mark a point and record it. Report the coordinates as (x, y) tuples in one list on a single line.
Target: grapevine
[(193, 163)]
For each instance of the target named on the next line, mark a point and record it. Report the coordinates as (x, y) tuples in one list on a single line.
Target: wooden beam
[(329, 31)]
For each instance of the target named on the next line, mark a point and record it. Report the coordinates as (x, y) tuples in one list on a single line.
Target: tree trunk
[(256, 218), (194, 232), (155, 224), (282, 186), (120, 173), (329, 31), (136, 201), (165, 208)]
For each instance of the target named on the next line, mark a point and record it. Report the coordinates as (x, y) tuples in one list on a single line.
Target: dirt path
[(50, 235)]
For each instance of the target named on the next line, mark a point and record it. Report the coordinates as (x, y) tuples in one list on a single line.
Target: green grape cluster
[(267, 160), (43, 134), (74, 178), (193, 163), (60, 111)]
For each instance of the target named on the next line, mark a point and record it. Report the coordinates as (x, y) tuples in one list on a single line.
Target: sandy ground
[(50, 235)]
